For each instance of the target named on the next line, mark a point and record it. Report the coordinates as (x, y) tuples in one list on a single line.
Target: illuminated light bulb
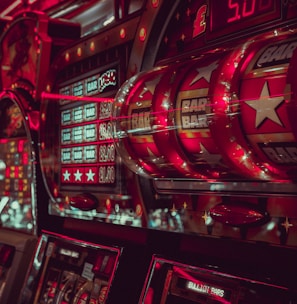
[(79, 52), (92, 46), (122, 33), (67, 56), (48, 87), (155, 3), (138, 210), (14, 205), (142, 34), (55, 192), (270, 226)]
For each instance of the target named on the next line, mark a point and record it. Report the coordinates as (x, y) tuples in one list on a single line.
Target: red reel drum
[(182, 96), (291, 91), (251, 123), (134, 124), (264, 107)]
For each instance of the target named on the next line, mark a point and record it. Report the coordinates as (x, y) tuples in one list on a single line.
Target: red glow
[(25, 158), (122, 33), (7, 172), (45, 95), (92, 46), (155, 3), (142, 34), (20, 146), (242, 13), (67, 57), (200, 22)]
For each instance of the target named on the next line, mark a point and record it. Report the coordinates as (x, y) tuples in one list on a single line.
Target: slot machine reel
[(251, 125), (136, 124)]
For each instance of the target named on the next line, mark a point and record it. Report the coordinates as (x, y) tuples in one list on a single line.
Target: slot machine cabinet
[(188, 284), (233, 206), (91, 193), (225, 106), (25, 53)]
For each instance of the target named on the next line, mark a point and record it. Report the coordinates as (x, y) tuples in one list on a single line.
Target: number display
[(233, 15)]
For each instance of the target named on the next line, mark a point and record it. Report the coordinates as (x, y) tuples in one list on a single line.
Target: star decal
[(90, 175), (286, 224), (211, 159), (149, 86), (266, 107), (66, 175), (77, 175), (205, 72), (207, 218)]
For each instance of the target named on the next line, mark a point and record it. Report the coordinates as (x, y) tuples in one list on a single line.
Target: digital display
[(171, 282), (230, 16), (87, 149)]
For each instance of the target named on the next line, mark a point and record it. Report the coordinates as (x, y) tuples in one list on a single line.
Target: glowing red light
[(67, 56), (122, 33), (142, 34), (155, 3), (92, 46)]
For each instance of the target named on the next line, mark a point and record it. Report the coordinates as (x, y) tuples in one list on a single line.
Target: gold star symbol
[(286, 224), (205, 216), (265, 107)]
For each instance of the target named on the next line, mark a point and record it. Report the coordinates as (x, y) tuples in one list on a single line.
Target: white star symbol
[(66, 176), (149, 86), (211, 159), (205, 72), (265, 106), (90, 175), (78, 175)]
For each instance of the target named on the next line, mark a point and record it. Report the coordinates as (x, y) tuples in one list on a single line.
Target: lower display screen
[(170, 282), (72, 271)]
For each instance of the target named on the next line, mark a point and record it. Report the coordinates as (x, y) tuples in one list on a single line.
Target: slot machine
[(25, 45), (208, 127), (95, 210), (168, 141)]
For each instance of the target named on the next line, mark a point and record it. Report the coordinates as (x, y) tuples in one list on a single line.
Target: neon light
[(11, 7), (45, 95), (200, 23), (142, 34), (92, 46), (122, 33), (155, 3)]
